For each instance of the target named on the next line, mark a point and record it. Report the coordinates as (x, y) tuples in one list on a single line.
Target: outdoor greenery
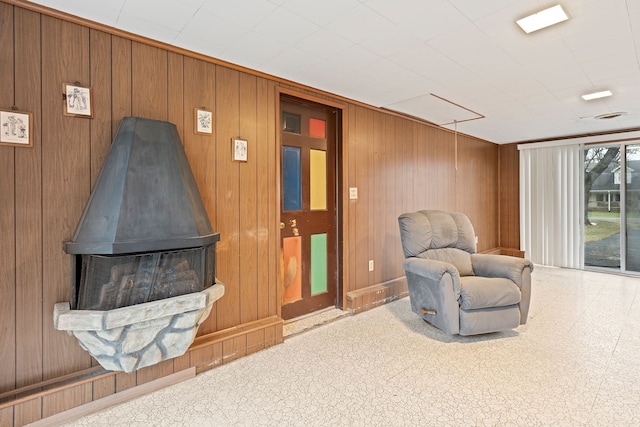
[(600, 230)]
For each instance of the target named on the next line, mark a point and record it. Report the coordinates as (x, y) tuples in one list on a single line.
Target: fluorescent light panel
[(596, 95), (542, 19)]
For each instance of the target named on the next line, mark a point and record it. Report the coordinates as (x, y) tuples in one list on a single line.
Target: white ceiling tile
[(252, 50), (208, 33), (360, 24), (106, 12), (164, 13), (474, 9), (285, 27), (247, 13), (320, 12), (324, 44), (388, 43), (396, 11), (136, 25), (440, 19), (288, 63)]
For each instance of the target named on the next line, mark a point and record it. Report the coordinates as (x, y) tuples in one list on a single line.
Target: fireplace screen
[(112, 281)]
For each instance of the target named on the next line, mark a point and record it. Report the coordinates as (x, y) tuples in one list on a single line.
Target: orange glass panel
[(317, 128), (292, 248)]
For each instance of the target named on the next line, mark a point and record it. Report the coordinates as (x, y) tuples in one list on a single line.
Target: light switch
[(353, 193)]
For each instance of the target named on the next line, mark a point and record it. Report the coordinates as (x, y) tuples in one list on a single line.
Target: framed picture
[(15, 128), (77, 100), (239, 150), (204, 122)]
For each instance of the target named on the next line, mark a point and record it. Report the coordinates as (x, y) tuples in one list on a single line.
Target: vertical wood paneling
[(509, 196), (29, 204), (175, 94), (248, 243), (265, 163), (149, 82), (120, 81), (351, 205), (7, 212), (378, 180), (201, 149), (273, 124), (228, 196), (393, 196), (65, 181), (361, 224), (100, 62)]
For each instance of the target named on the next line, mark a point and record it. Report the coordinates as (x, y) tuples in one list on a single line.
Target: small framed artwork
[(239, 150), (77, 100), (15, 128), (204, 122)]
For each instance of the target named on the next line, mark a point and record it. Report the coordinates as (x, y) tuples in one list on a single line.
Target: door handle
[(282, 226)]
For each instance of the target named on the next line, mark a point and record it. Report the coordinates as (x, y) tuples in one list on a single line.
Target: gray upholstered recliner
[(454, 288)]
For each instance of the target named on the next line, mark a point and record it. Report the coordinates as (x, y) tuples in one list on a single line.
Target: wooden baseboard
[(115, 399), (372, 296)]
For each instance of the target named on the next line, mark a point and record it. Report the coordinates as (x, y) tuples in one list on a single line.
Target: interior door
[(308, 207)]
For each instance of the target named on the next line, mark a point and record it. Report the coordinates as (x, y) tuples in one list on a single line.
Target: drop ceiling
[(455, 63)]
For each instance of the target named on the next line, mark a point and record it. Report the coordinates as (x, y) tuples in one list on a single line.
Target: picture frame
[(78, 101), (203, 120), (239, 149), (16, 128)]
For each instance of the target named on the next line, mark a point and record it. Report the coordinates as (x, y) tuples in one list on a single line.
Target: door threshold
[(310, 321)]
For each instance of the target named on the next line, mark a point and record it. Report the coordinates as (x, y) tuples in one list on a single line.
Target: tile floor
[(576, 363)]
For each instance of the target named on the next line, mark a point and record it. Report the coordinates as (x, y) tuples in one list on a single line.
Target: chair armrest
[(433, 270), (434, 291), (508, 267)]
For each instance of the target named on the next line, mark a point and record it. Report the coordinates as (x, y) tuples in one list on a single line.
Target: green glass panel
[(318, 263)]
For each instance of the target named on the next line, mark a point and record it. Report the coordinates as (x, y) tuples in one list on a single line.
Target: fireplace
[(143, 253)]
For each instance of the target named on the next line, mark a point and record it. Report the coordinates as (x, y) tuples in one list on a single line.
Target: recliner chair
[(454, 288)]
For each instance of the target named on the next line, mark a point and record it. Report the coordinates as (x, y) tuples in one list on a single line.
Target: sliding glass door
[(602, 207), (632, 208), (612, 207)]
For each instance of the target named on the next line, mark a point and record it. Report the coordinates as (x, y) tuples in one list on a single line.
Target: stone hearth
[(130, 338)]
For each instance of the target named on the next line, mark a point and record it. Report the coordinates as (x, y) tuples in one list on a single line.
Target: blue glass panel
[(291, 179)]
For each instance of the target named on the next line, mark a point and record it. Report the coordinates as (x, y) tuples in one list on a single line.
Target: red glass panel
[(317, 128)]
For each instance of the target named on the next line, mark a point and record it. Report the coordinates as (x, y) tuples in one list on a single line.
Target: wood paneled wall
[(509, 196), (397, 164)]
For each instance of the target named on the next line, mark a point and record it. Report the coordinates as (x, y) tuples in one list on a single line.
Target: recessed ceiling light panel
[(542, 19), (596, 95)]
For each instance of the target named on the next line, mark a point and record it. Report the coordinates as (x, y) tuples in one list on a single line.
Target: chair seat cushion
[(485, 292)]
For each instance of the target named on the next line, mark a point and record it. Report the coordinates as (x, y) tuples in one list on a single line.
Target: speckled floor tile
[(575, 363)]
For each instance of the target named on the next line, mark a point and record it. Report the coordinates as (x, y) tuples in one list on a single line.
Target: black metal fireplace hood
[(146, 198)]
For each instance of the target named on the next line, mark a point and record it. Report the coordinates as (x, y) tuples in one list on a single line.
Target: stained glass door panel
[(308, 208)]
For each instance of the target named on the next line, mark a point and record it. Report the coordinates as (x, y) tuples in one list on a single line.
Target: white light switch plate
[(353, 193)]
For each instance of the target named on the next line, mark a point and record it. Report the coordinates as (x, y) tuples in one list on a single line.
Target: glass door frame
[(623, 208)]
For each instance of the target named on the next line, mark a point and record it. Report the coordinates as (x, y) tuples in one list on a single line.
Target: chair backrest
[(434, 234)]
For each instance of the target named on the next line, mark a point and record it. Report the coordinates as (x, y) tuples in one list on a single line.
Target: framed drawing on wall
[(239, 150), (15, 128), (77, 100), (204, 122)]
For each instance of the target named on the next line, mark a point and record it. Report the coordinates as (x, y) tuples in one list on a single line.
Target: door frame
[(341, 193)]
